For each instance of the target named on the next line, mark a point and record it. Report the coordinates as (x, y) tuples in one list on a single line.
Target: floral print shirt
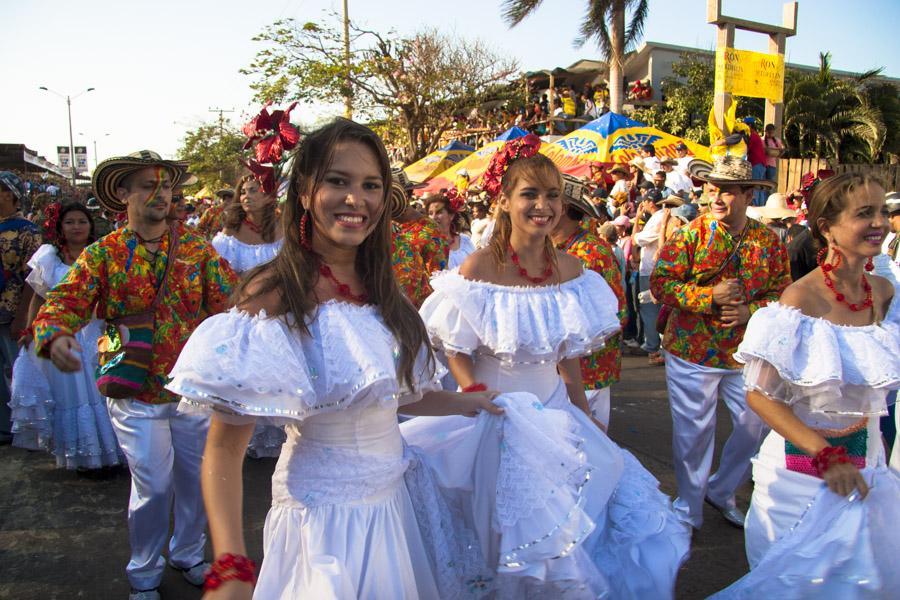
[(602, 368), (426, 239), (118, 276), (212, 221), (409, 268), (694, 331), (19, 239)]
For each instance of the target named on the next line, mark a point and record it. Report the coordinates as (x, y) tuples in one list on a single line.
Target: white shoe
[(195, 575), (144, 595)]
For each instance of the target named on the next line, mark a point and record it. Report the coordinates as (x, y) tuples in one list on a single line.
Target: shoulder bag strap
[(170, 257), (737, 245)]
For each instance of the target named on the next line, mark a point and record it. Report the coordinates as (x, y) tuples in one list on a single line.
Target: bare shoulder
[(260, 294), (804, 294), (570, 266), (882, 291), (479, 266)]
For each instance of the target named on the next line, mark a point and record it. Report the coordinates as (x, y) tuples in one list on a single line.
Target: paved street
[(64, 537)]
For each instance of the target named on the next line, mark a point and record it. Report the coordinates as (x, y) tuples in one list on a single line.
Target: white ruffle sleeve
[(243, 257), (541, 323), (43, 263), (260, 367), (833, 369)]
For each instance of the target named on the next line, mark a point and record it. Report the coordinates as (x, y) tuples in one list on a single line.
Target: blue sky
[(159, 66)]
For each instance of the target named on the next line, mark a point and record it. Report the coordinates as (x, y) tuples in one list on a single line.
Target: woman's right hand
[(231, 590), (843, 478)]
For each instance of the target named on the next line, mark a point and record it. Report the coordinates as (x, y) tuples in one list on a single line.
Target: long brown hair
[(235, 213), (829, 198), (295, 270), (537, 168), (458, 220)]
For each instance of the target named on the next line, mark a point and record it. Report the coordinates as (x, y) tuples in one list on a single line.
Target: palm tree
[(829, 117), (604, 22)]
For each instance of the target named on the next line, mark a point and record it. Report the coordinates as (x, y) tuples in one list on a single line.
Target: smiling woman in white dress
[(819, 365), (515, 318), (448, 216), (252, 237), (322, 340)]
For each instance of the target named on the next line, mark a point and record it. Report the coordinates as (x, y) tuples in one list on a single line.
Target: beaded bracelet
[(827, 456), (227, 567), (475, 387)]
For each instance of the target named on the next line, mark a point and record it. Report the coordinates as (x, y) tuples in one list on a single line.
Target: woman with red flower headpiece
[(52, 410), (447, 211), (516, 317)]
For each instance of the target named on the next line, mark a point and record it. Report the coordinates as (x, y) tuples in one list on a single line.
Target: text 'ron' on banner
[(750, 74)]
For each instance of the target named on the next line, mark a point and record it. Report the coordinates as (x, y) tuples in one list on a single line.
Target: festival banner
[(440, 160), (613, 138), (750, 74), (64, 157), (81, 163)]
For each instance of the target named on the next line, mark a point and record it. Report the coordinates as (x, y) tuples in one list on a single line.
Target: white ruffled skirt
[(804, 541)]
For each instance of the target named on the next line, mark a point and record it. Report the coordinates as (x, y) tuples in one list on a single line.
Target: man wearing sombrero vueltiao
[(710, 310), (118, 276)]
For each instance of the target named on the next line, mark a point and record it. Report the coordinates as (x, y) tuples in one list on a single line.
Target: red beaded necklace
[(342, 289), (827, 268), (524, 274), (252, 226)]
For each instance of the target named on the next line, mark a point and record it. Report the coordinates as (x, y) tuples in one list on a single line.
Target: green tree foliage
[(603, 22), (213, 151), (419, 82)]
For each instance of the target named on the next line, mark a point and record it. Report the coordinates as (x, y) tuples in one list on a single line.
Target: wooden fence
[(791, 170)]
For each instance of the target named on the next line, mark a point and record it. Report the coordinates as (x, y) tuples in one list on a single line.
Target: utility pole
[(68, 100), (348, 102), (221, 112)]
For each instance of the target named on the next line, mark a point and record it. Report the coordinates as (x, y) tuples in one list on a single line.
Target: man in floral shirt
[(710, 310), (19, 238), (602, 368), (118, 276)]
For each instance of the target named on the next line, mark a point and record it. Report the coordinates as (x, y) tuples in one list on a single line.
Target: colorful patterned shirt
[(409, 268), (19, 239), (117, 276), (602, 368), (426, 239), (212, 221), (694, 331)]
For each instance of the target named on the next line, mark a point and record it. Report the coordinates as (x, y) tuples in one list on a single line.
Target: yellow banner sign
[(750, 74)]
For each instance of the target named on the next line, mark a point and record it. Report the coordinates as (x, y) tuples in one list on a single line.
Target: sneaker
[(195, 575), (631, 343), (144, 594), (734, 516)]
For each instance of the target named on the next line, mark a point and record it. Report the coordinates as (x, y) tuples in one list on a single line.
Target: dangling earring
[(820, 259), (870, 266), (304, 236)]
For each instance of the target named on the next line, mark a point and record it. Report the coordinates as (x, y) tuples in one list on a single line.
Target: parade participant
[(213, 219), (407, 264), (480, 219), (348, 516), (251, 235), (421, 233), (19, 239), (712, 275), (53, 410), (446, 211), (602, 368), (648, 238), (516, 317), (818, 365), (146, 283)]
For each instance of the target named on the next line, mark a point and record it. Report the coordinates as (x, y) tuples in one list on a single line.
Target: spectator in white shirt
[(683, 159), (675, 181), (648, 239), (649, 162)]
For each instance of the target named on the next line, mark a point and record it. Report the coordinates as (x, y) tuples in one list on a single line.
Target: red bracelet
[(475, 387), (227, 567), (827, 456)]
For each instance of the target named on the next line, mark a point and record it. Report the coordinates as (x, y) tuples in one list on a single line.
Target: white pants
[(598, 400), (693, 394), (164, 449)]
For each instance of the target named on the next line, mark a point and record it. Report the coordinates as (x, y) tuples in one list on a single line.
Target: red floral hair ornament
[(274, 135), (522, 147), (809, 181), (457, 202), (51, 212)]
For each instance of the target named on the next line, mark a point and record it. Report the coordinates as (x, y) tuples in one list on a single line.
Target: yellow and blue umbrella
[(438, 161), (476, 163), (613, 138)]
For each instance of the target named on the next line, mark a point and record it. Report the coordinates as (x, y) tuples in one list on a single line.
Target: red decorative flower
[(51, 212), (273, 132), (457, 202), (264, 174), (522, 147)]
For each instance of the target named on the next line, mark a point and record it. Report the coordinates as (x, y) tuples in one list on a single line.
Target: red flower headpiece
[(273, 135), (522, 147), (51, 212), (457, 202), (809, 181)]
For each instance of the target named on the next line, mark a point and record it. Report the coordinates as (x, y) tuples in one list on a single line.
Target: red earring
[(304, 236), (870, 266)]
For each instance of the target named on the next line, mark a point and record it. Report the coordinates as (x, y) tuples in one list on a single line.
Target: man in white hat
[(713, 274), (120, 278)]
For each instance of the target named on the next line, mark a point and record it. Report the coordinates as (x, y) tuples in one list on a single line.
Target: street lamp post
[(68, 100), (95, 148)]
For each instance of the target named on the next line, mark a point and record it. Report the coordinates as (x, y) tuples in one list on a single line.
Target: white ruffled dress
[(620, 538), (62, 413), (355, 513), (458, 256), (267, 439), (802, 540)]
